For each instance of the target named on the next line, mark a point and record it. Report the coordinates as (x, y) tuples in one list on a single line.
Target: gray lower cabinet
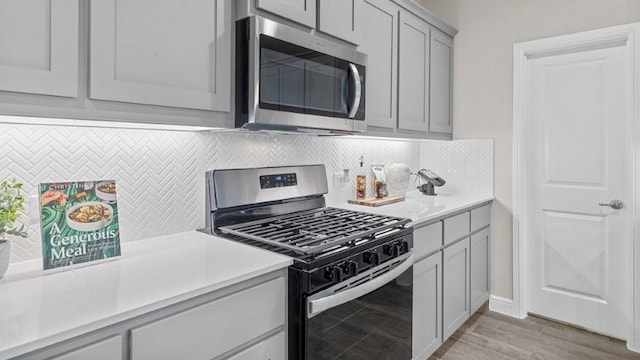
[(455, 289), (244, 321), (108, 349), (450, 277), (427, 306), (479, 268), (269, 349), (232, 321)]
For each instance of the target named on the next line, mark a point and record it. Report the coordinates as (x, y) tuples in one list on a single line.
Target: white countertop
[(422, 208), (42, 309)]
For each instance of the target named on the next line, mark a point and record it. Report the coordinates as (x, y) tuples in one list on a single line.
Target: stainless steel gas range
[(350, 286)]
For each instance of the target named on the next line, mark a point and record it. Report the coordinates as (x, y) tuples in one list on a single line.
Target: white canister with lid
[(397, 179)]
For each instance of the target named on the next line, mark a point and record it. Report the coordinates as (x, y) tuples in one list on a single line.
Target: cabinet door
[(479, 269), (109, 349), (39, 47), (272, 348), (427, 306), (340, 18), (162, 52), (440, 107), (413, 92), (380, 24), (300, 11), (455, 287)]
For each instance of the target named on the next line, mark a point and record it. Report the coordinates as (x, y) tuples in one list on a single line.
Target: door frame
[(623, 35)]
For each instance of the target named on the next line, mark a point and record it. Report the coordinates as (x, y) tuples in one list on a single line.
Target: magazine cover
[(79, 222)]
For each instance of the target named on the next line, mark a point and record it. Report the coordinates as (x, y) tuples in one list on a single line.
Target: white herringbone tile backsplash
[(160, 174), (466, 165)]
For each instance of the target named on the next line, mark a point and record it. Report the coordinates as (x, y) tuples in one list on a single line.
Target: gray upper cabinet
[(440, 118), (39, 47), (341, 19), (177, 55), (105, 62), (413, 88), (109, 349), (409, 70), (300, 11), (380, 24)]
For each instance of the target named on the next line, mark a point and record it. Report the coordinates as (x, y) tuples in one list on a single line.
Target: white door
[(578, 155)]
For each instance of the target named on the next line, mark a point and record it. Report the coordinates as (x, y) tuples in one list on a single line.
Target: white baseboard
[(501, 305)]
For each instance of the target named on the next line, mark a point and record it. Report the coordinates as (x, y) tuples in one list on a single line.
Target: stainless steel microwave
[(287, 79)]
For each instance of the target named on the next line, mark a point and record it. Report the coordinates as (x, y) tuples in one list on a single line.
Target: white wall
[(483, 82)]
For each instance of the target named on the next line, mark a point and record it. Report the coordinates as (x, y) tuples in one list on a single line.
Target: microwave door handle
[(356, 84), (317, 306)]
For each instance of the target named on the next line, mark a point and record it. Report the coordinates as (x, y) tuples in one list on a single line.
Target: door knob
[(615, 204)]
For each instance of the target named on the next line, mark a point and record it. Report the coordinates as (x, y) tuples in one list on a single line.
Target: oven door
[(365, 317)]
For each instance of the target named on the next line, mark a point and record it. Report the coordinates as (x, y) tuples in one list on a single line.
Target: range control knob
[(353, 268), (333, 273), (392, 250), (405, 246), (371, 258), (345, 268)]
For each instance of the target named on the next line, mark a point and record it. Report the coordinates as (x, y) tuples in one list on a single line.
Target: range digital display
[(278, 180)]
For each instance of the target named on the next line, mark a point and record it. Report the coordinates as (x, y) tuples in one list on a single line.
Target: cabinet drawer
[(212, 329), (427, 239), (272, 348), (480, 217), (456, 227), (109, 349)]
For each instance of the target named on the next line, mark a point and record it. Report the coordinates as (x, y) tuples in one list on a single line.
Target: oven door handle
[(317, 306)]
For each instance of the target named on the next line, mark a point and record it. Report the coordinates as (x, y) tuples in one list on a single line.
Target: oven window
[(374, 326), (296, 79)]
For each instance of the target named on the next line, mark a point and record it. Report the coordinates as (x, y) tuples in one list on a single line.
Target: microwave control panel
[(278, 180)]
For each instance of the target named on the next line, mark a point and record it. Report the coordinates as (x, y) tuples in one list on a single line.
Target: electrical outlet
[(341, 177)]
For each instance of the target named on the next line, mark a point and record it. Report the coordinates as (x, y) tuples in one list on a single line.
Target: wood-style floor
[(492, 336)]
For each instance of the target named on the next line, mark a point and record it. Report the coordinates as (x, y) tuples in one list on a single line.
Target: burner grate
[(314, 231)]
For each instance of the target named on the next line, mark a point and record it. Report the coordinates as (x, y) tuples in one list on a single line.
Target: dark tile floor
[(493, 336)]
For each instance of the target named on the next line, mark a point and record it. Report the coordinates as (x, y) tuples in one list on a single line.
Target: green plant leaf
[(11, 208)]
